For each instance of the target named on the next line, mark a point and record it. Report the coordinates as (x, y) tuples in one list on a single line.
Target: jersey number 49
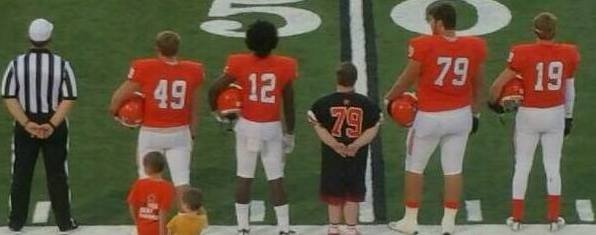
[(170, 95)]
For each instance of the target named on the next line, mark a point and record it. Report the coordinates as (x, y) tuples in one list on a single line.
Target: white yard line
[(257, 211), (584, 210), (474, 210), (41, 213), (358, 47), (532, 229)]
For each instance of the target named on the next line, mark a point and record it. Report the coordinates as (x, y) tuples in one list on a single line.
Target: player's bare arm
[(217, 87), (406, 79), (133, 213), (367, 136), (124, 92), (196, 107), (329, 140), (478, 90), (499, 83), (288, 108)]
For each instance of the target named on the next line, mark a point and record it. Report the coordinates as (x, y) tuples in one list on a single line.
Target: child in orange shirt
[(192, 219), (150, 198)]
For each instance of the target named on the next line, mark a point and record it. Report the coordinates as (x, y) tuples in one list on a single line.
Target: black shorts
[(342, 179)]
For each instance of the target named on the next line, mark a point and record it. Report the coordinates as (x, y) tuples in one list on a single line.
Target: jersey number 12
[(262, 87)]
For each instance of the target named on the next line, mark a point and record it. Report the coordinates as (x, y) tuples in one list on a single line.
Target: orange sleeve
[(135, 72), (417, 50), (168, 194), (515, 60), (232, 67), (132, 198)]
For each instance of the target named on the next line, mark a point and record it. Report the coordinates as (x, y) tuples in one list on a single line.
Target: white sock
[(449, 216), (242, 216), (283, 217), (411, 215)]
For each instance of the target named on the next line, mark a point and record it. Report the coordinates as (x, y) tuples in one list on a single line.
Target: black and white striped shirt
[(40, 80)]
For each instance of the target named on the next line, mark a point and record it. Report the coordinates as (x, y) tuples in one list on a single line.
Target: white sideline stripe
[(474, 210), (257, 211), (358, 47), (41, 213), (584, 210), (532, 229)]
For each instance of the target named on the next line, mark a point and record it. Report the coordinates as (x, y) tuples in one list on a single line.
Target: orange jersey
[(149, 196), (262, 81), (168, 90), (448, 70), (544, 68)]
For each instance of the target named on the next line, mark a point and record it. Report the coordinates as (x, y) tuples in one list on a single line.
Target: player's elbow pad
[(569, 97)]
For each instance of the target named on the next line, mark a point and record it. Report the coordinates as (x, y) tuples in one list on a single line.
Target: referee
[(39, 88)]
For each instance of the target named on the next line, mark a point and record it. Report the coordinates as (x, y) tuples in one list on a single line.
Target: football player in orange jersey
[(172, 91), (447, 71), (266, 82), (547, 69)]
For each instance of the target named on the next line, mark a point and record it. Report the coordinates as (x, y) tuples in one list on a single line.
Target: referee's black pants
[(26, 150)]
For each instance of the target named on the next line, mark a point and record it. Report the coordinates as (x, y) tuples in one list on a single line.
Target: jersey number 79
[(352, 116)]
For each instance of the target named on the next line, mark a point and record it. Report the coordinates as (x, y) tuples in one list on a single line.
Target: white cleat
[(513, 224), (557, 225), (405, 227)]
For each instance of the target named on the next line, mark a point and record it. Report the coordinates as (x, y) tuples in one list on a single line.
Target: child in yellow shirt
[(192, 219)]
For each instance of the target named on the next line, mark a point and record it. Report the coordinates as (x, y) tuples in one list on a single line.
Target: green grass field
[(102, 37)]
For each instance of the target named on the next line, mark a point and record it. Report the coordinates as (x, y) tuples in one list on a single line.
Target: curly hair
[(261, 38)]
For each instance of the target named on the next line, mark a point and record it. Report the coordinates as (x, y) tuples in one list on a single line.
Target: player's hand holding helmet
[(131, 113), (403, 109), (229, 103), (512, 95), (510, 98)]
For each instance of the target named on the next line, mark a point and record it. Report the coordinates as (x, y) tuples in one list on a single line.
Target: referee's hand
[(47, 130), (34, 129)]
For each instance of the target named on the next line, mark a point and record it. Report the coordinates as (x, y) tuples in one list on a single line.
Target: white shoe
[(447, 227), (354, 231), (513, 225), (333, 230), (405, 227), (557, 225)]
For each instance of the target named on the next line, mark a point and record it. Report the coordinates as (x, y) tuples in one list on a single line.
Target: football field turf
[(102, 37)]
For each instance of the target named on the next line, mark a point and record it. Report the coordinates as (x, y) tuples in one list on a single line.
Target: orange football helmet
[(403, 109), (132, 111), (229, 101), (512, 93)]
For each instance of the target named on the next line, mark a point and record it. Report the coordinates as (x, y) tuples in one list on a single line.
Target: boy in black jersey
[(346, 122)]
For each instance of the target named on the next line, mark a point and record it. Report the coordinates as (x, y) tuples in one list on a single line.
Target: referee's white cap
[(40, 30)]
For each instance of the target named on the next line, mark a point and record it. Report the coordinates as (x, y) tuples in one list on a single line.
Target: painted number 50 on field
[(492, 16), (298, 21)]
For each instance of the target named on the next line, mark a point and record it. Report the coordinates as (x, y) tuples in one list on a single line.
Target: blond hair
[(167, 43), (545, 25)]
